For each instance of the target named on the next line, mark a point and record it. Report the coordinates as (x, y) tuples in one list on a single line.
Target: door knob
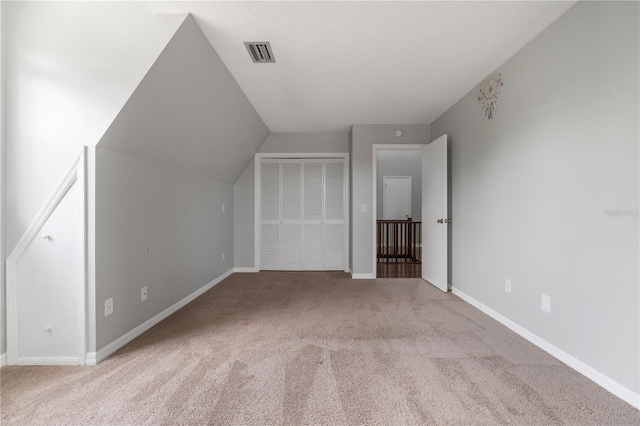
[(439, 220)]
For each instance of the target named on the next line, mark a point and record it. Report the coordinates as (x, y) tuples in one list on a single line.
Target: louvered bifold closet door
[(334, 215), (270, 215), (291, 217), (312, 258)]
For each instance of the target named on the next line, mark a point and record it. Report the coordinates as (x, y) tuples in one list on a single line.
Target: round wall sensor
[(398, 133)]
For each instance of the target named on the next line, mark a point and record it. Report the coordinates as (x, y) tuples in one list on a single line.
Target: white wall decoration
[(488, 95)]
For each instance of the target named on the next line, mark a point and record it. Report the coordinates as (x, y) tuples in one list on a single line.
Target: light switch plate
[(545, 303)]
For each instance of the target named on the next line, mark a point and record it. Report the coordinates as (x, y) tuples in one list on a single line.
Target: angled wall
[(165, 173), (189, 113), (69, 68), (546, 193)]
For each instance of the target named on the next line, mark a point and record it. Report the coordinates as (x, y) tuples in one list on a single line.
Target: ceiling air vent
[(260, 52)]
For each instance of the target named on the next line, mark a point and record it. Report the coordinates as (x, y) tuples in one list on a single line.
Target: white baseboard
[(362, 276), (591, 373), (244, 270), (47, 360), (96, 357), (3, 359)]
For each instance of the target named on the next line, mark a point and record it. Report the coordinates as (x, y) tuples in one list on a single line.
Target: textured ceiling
[(344, 63)]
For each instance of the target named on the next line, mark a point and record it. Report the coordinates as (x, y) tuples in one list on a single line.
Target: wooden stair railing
[(399, 241)]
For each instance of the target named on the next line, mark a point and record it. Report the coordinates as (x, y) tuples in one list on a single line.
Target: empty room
[(320, 213)]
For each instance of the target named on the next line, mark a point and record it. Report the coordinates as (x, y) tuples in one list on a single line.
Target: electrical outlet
[(143, 293), (223, 206), (507, 285), (222, 256), (545, 303), (108, 307)]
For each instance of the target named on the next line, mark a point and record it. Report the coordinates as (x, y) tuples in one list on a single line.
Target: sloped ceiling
[(344, 63), (189, 113)]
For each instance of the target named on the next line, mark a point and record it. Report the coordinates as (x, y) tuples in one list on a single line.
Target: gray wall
[(184, 137), (244, 221), (306, 142), (400, 163), (157, 227), (189, 113), (531, 189), (363, 137), (69, 68)]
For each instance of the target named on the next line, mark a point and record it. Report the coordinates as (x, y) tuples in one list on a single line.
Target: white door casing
[(435, 213)]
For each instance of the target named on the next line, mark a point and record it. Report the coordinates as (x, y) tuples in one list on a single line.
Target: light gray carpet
[(316, 348)]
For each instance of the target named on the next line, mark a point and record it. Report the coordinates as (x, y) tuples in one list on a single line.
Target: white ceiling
[(344, 63)]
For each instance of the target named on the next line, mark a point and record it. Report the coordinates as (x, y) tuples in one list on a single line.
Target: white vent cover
[(260, 52)]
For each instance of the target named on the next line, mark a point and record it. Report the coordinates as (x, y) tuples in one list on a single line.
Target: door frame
[(75, 174), (384, 194), (374, 166), (257, 198)]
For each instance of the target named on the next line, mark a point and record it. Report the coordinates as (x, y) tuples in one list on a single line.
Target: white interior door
[(334, 214), (435, 220), (396, 197), (303, 214), (270, 215), (312, 250), (291, 220), (48, 293)]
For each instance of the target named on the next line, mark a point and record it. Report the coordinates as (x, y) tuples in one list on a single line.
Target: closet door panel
[(270, 215), (290, 252), (270, 247), (334, 190), (270, 195), (334, 247), (312, 215), (312, 253)]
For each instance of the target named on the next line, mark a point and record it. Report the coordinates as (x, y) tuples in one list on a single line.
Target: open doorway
[(429, 237), (398, 213)]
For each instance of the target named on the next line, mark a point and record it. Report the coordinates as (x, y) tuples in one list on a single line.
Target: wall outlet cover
[(507, 285), (108, 307), (545, 304), (143, 293)]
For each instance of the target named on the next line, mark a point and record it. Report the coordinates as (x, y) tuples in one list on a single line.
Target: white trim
[(3, 359), (285, 155), (75, 173), (363, 276), (36, 360), (106, 351), (374, 203), (244, 270), (591, 373)]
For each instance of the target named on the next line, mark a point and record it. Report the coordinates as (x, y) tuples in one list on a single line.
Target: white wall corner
[(94, 358), (591, 373)]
